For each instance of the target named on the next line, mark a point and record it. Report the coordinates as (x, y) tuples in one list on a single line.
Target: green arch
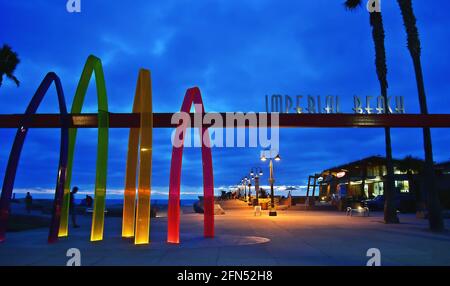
[(93, 64)]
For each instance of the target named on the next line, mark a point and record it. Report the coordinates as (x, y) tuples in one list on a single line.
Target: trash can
[(264, 206)]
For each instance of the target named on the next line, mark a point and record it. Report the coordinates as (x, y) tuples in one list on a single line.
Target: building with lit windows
[(343, 185)]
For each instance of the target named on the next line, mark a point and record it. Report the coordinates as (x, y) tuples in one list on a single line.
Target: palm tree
[(411, 165), (409, 20), (8, 63), (376, 22)]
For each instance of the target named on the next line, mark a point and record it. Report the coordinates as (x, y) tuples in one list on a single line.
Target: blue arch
[(14, 157)]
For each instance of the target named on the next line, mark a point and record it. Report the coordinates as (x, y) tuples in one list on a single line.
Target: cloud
[(236, 52)]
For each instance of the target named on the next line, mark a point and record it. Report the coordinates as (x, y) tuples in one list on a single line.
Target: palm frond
[(352, 4), (8, 63), (13, 78)]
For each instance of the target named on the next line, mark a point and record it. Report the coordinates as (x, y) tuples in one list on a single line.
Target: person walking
[(72, 209), (28, 202)]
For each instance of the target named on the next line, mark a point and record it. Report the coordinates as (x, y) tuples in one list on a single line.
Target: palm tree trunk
[(436, 222), (390, 210), (376, 21), (434, 209)]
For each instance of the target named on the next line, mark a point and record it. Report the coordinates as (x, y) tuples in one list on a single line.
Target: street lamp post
[(272, 211), (264, 158), (255, 174), (244, 182), (257, 189), (249, 192)]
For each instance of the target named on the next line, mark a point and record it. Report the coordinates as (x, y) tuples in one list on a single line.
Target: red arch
[(193, 95)]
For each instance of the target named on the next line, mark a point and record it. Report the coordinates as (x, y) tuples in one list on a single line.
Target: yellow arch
[(140, 139)]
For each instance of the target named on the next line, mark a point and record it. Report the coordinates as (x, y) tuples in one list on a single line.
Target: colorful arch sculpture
[(136, 218), (14, 157), (93, 64), (139, 139), (193, 95)]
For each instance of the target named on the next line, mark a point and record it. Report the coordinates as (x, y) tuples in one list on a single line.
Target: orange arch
[(139, 149)]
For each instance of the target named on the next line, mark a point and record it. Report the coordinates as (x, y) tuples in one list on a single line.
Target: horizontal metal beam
[(163, 120)]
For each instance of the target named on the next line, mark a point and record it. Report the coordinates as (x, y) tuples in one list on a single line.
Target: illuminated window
[(371, 171), (377, 189), (403, 186), (398, 171), (383, 171)]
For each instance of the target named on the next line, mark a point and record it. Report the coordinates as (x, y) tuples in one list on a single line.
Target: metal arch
[(93, 64), (193, 95), (139, 140), (14, 157)]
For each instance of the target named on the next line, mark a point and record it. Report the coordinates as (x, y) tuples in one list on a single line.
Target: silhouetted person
[(72, 209), (28, 202), (89, 201)]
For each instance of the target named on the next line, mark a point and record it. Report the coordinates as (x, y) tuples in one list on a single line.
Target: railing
[(163, 120)]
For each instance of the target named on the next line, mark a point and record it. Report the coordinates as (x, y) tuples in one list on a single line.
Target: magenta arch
[(14, 157), (193, 95)]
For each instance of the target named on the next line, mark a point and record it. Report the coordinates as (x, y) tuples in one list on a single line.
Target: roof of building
[(367, 160), (371, 160), (443, 165)]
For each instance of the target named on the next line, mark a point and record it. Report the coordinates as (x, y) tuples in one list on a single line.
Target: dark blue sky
[(236, 52)]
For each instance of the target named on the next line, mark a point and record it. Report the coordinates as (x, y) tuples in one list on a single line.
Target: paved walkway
[(291, 238)]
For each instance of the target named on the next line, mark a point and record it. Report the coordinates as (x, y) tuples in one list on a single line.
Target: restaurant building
[(343, 185), (443, 168)]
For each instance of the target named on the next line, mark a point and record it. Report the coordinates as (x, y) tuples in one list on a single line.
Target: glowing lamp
[(340, 174)]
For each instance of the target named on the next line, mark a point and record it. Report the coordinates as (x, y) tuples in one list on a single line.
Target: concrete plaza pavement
[(294, 237)]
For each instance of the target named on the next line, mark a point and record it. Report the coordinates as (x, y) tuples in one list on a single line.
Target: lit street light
[(249, 183), (238, 185), (277, 158), (244, 182), (255, 176)]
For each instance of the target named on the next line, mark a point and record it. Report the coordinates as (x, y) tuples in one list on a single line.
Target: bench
[(282, 207), (91, 210), (258, 211), (360, 210)]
